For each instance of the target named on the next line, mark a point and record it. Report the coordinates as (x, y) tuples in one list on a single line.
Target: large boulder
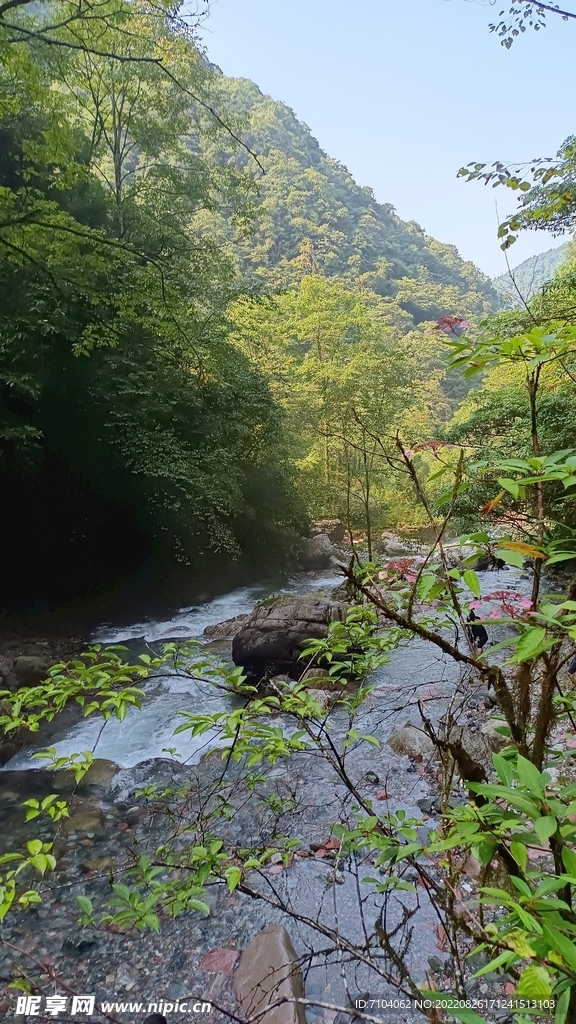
[(273, 637), (390, 544), (100, 773), (28, 670), (267, 973), (225, 630), (334, 529), (5, 668), (318, 552)]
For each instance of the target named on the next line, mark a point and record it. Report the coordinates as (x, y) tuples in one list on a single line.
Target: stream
[(311, 890)]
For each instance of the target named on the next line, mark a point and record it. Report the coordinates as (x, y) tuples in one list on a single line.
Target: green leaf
[(504, 958), (509, 485), (371, 739), (545, 827), (510, 642), (511, 557), (529, 642), (562, 1004), (472, 582), (520, 854), (512, 796), (85, 905), (503, 768), (560, 944), (521, 946), (198, 905), (534, 983), (563, 556), (407, 851), (233, 876), (529, 776), (569, 860)]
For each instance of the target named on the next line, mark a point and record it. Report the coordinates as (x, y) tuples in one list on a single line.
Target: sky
[(405, 92)]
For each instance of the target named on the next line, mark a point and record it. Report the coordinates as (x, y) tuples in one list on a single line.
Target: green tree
[(125, 411), (338, 366)]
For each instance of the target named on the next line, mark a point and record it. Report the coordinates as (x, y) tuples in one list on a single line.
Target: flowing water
[(416, 668), (147, 733), (310, 888)]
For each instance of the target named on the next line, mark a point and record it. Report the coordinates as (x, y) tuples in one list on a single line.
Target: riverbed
[(311, 896)]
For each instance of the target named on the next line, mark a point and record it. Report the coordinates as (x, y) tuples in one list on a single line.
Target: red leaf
[(221, 959), (382, 795)]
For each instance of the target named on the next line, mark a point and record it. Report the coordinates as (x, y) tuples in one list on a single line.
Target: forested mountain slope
[(530, 276), (312, 217)]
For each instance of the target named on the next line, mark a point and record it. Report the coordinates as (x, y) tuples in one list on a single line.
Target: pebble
[(176, 990), (436, 964), (427, 805), (127, 976), (78, 945)]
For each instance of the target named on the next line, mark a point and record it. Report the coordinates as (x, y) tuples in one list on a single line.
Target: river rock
[(318, 552), (100, 773), (334, 529), (345, 591), (324, 698), (268, 971), (162, 772), (85, 815), (225, 630), (412, 742), (28, 670), (320, 680), (496, 740), (5, 668), (473, 867), (390, 544), (272, 638)]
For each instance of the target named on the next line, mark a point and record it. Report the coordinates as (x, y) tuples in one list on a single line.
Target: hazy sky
[(404, 92)]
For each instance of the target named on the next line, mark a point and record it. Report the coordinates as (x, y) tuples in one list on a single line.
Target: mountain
[(530, 276), (313, 217)]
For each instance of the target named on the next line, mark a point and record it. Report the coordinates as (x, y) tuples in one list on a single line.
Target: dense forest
[(154, 227)]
